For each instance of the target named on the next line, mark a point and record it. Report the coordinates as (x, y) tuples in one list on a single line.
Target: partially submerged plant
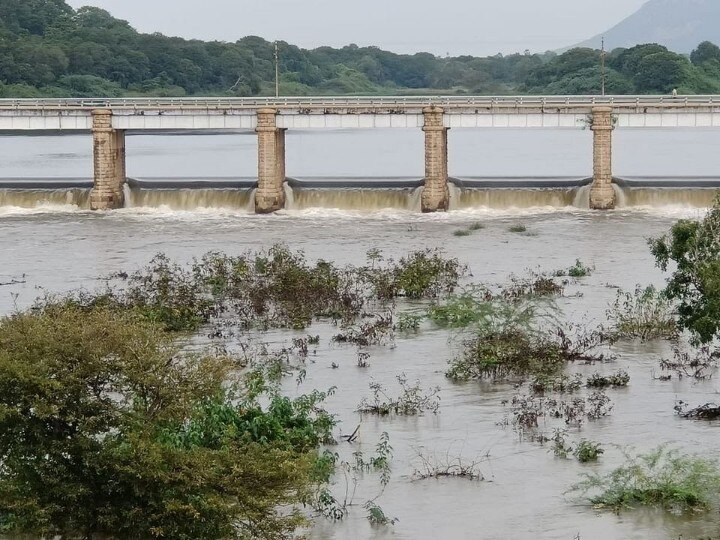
[(411, 401), (587, 451), (517, 352), (446, 467), (709, 411), (645, 314), (517, 228), (579, 270), (663, 478), (614, 380), (376, 332), (696, 364)]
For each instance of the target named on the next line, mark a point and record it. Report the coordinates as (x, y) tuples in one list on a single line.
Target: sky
[(476, 27)]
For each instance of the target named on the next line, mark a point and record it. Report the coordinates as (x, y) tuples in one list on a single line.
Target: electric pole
[(277, 70), (602, 67)]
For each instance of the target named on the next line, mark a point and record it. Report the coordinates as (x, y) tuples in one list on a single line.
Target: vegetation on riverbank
[(49, 49), (108, 429)]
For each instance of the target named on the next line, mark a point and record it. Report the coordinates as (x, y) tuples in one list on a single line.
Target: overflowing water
[(49, 242)]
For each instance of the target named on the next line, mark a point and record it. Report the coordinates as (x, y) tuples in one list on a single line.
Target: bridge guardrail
[(404, 102)]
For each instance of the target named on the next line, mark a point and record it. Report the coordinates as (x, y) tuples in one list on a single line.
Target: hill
[(677, 24), (48, 49)]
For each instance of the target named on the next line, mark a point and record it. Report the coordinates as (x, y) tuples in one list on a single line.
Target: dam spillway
[(360, 194)]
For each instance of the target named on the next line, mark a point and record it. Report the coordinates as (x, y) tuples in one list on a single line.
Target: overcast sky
[(478, 27)]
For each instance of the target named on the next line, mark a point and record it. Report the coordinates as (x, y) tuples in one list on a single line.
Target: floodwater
[(57, 246)]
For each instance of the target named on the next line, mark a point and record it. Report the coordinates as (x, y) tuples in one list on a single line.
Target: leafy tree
[(705, 52), (660, 72), (694, 247), (107, 430)]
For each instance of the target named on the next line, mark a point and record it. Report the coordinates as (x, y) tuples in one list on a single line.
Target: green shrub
[(108, 430), (587, 451), (617, 379), (579, 270), (662, 478), (646, 314)]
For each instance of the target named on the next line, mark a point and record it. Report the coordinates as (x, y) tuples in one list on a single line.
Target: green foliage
[(662, 478), (578, 270), (518, 228), (462, 232), (49, 49), (694, 248), (477, 306), (108, 430), (408, 322), (516, 348), (615, 380), (507, 354), (645, 313), (423, 274), (587, 451), (704, 53)]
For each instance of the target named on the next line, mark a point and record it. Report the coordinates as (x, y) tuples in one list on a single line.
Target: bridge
[(110, 119)]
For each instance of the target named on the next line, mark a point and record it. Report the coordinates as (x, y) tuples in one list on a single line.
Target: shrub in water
[(662, 478), (646, 314)]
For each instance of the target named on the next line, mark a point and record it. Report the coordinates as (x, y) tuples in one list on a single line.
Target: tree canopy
[(49, 49)]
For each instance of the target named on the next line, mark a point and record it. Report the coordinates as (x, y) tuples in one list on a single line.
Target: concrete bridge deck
[(109, 119)]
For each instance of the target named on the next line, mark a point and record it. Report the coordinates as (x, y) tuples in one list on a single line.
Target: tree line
[(47, 48)]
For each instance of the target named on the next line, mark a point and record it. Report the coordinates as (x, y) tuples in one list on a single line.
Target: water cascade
[(362, 194)]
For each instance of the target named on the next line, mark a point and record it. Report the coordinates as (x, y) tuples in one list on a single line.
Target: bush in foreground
[(107, 430)]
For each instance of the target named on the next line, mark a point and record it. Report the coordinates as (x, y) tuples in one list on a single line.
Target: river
[(53, 246)]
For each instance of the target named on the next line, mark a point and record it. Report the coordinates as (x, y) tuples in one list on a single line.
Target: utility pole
[(602, 67), (277, 70)]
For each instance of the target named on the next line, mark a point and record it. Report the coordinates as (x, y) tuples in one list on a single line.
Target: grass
[(661, 479), (519, 228), (467, 231)]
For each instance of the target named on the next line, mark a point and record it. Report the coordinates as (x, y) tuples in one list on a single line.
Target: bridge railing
[(399, 102)]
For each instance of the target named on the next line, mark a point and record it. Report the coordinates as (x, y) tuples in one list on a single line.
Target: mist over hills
[(678, 24)]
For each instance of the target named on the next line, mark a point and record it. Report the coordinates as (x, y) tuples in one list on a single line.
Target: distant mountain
[(680, 25)]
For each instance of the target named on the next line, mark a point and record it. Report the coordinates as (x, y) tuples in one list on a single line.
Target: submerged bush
[(107, 430), (411, 401), (587, 451), (646, 314), (517, 352), (615, 380), (578, 270), (662, 478), (421, 274), (276, 288)]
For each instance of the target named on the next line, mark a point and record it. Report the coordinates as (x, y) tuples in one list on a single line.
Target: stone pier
[(602, 194), (108, 162), (435, 194), (270, 195)]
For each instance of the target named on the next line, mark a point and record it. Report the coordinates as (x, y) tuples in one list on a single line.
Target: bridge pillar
[(108, 162), (435, 195), (602, 194), (270, 195)]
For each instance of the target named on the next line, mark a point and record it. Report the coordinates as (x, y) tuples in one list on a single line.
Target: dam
[(274, 187)]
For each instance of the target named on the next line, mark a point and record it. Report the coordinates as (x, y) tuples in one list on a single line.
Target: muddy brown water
[(523, 495)]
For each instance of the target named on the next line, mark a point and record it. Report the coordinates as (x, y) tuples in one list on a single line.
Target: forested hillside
[(49, 49)]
